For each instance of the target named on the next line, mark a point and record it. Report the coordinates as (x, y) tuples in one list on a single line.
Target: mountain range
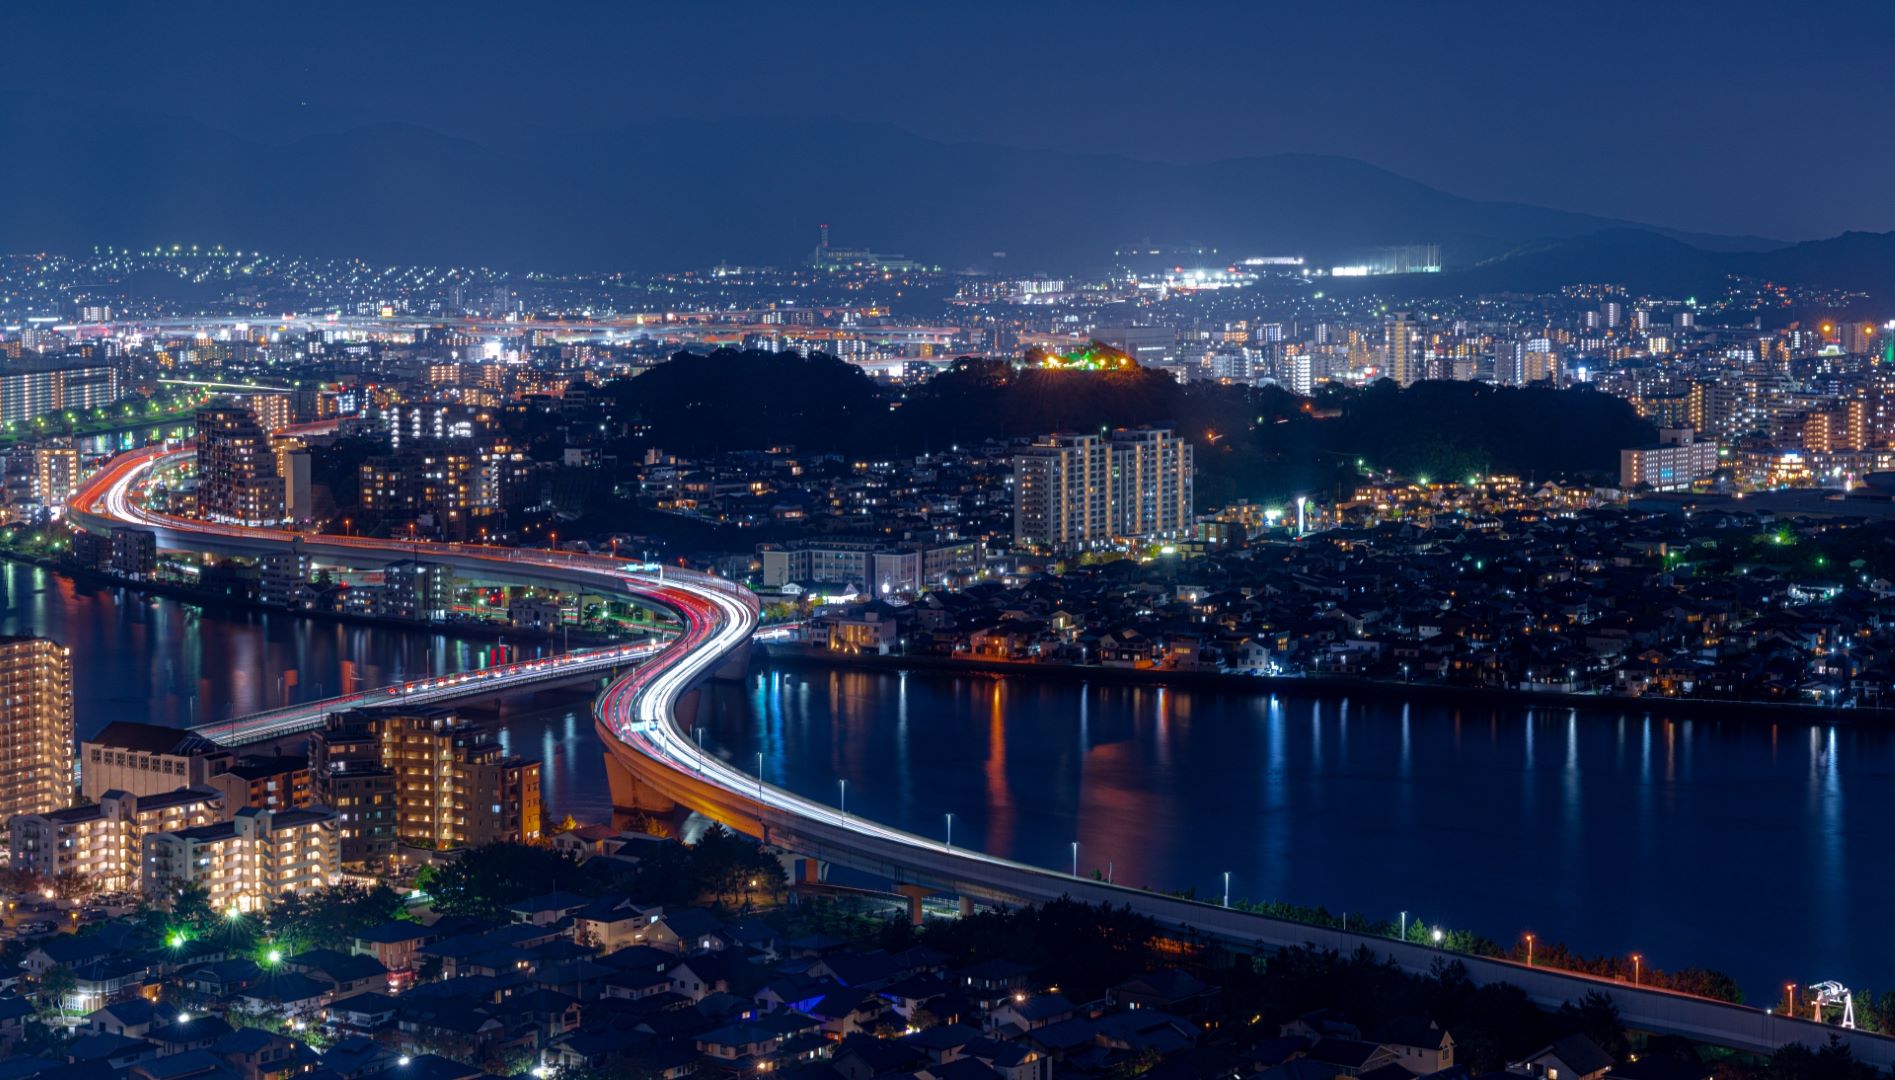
[(677, 194)]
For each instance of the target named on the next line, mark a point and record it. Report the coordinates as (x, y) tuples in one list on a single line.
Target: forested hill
[(1254, 443)]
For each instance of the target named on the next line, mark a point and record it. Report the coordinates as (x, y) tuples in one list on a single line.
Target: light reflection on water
[(1745, 846), (1754, 848)]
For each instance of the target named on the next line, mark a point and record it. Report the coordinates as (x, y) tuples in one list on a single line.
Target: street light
[(1227, 888), (1529, 950), (1404, 926), (1075, 858), (844, 786), (950, 832), (1636, 959), (759, 776), (1438, 935)]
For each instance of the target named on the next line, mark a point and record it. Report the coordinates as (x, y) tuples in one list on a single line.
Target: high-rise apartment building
[(448, 781), (349, 776), (1152, 476), (236, 468), (34, 387), (1079, 492), (35, 726), (1402, 344), (1062, 494), (55, 473), (273, 411)]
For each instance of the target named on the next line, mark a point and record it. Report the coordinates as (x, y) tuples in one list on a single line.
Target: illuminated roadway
[(642, 717)]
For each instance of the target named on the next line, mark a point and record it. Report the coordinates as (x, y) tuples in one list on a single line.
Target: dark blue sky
[(1768, 118)]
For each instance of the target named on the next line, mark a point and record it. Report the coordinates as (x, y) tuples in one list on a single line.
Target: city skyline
[(1199, 542)]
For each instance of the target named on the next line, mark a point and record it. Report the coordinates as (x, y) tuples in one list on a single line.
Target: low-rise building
[(246, 863), (101, 841)]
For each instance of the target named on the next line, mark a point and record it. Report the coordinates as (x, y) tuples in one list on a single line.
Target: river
[(163, 661), (1751, 847), (1754, 848)]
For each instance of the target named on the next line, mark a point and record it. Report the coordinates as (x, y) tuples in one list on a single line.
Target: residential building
[(55, 473), (246, 863), (31, 387), (875, 567), (134, 553), (236, 467), (1079, 492), (264, 783), (35, 726), (101, 840), (1402, 341), (1675, 463), (349, 776), (451, 782)]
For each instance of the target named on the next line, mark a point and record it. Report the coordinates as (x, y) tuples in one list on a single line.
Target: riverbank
[(1235, 682), (205, 598), (117, 425)]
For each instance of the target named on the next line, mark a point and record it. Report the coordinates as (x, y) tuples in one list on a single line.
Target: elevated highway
[(643, 714)]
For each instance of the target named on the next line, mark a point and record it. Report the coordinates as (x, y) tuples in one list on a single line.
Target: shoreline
[(204, 598), (1232, 682)]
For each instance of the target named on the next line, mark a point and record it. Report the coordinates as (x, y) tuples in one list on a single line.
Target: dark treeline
[(1256, 443)]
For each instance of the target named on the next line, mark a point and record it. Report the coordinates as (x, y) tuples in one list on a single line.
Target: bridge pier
[(803, 869), (630, 796), (736, 665), (915, 894)]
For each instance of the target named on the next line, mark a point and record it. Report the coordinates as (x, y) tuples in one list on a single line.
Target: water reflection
[(166, 662), (1606, 831)]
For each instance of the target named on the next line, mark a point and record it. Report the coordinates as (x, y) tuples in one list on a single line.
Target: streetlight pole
[(1404, 926), (843, 785), (1636, 959), (950, 832), (1529, 950), (759, 776), (1227, 888), (1075, 858)]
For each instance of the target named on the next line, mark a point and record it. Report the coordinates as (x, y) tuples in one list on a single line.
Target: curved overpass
[(653, 765)]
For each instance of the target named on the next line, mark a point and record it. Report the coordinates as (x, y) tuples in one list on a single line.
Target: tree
[(1596, 1016), (1833, 1062), (192, 907), (17, 882), (484, 880), (56, 986), (332, 918), (726, 866), (70, 885)]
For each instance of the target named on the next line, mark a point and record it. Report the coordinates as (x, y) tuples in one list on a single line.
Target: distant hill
[(675, 194), (1647, 261)]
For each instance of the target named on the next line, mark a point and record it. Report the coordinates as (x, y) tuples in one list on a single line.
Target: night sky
[(1734, 117)]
